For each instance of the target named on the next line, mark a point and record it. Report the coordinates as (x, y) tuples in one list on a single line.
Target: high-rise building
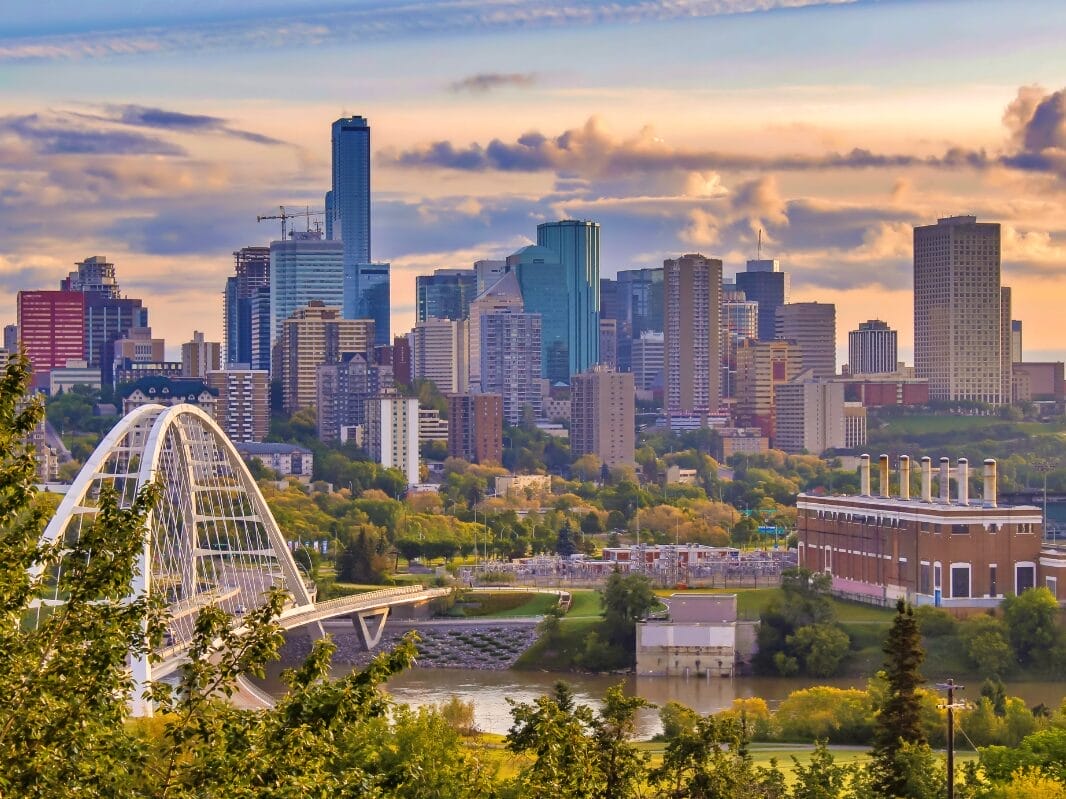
[(348, 203), (1015, 340), (813, 326), (303, 269), (609, 343), (446, 294), (106, 321), (251, 266), (872, 349), (198, 357), (510, 362), (809, 415), (392, 434), (95, 275), (11, 338), (488, 272), (740, 318), (765, 284), (137, 346), (641, 298), (475, 427), (51, 328), (243, 409), (602, 415), (542, 279), (503, 295), (310, 337), (648, 361), (1006, 376), (577, 245), (366, 296), (692, 286), (762, 367), (344, 387), (261, 321), (618, 334), (959, 329), (439, 349), (400, 360)]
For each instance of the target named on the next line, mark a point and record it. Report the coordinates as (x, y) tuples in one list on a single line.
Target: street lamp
[(951, 706)]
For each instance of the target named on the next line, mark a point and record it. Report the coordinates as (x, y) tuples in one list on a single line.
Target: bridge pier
[(370, 638)]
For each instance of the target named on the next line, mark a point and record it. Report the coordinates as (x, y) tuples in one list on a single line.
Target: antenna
[(758, 250)]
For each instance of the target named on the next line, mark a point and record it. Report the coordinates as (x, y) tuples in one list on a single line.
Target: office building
[(503, 295), (366, 296), (740, 317), (1016, 340), (51, 328), (243, 409), (310, 337), (648, 355), (764, 283), (1005, 362), (475, 427), (510, 362), (609, 343), (95, 275), (198, 357), (446, 294), (488, 272), (137, 346), (930, 549), (808, 416), (251, 267), (854, 425), (74, 373), (391, 435), (602, 416), (813, 327), (439, 350), (400, 359), (1038, 381), (11, 338), (692, 286), (616, 329), (343, 390), (762, 367), (348, 202), (543, 281), (132, 371), (641, 299), (577, 245), (959, 337), (303, 269), (872, 349)]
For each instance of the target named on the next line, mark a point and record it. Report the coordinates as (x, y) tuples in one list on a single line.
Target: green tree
[(820, 648), (898, 735), (626, 598), (1030, 619), (565, 544), (821, 778)]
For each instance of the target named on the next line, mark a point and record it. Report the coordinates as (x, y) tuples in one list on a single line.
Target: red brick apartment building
[(955, 551)]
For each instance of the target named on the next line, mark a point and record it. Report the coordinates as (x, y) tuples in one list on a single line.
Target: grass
[(560, 655), (503, 605), (584, 604)]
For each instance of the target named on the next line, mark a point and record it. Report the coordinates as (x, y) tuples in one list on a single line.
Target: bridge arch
[(211, 537)]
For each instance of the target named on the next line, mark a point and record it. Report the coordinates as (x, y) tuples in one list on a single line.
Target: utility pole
[(951, 707)]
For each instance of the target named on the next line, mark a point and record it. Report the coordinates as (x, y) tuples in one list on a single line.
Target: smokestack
[(864, 475), (904, 477), (927, 479), (945, 481), (964, 481), (883, 469), (991, 492)]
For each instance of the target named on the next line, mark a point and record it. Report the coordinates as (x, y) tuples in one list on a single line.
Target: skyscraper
[(763, 366), (198, 357), (641, 298), (809, 416), (813, 326), (304, 269), (51, 329), (692, 288), (872, 349), (243, 409), (488, 272), (475, 427), (766, 284), (542, 278), (504, 294), (446, 294), (602, 415), (348, 203), (577, 245), (94, 275), (366, 296), (251, 267), (392, 433), (439, 350), (959, 331), (740, 320), (510, 362)]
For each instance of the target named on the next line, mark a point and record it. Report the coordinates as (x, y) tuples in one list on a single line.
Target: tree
[(898, 734), (627, 598), (591, 524), (822, 778), (819, 648), (565, 544), (1030, 619)]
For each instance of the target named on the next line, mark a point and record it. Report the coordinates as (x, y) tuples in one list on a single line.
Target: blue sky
[(154, 133)]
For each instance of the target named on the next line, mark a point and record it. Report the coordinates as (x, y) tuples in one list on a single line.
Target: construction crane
[(285, 216)]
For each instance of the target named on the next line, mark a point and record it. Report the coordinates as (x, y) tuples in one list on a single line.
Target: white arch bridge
[(211, 539)]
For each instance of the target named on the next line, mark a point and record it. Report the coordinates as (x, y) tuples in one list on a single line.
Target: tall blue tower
[(577, 243)]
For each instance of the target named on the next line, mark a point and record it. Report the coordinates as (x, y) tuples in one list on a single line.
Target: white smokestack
[(990, 488), (945, 481), (927, 479), (904, 477), (884, 478), (964, 481), (864, 475)]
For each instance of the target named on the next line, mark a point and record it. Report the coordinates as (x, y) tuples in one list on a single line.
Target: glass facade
[(349, 201), (446, 294), (366, 296), (541, 279), (577, 245), (303, 269)]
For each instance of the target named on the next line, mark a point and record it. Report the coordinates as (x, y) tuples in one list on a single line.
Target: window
[(936, 576), (1024, 576), (993, 589), (958, 529), (960, 580), (925, 579), (1053, 586)]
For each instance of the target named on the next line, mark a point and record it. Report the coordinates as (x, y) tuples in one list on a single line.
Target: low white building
[(698, 639), (288, 460)]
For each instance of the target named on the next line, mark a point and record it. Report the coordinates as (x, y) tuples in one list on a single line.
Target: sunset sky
[(154, 133)]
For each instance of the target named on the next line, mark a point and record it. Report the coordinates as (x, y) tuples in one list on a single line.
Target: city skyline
[(861, 126)]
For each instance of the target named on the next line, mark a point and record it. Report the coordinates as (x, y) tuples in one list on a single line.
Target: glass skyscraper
[(577, 245), (366, 296), (541, 278), (446, 294), (303, 269), (766, 284)]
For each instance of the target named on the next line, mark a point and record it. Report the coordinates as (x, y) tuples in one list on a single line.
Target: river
[(490, 690)]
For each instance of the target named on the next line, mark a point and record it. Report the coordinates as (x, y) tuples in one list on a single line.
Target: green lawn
[(584, 604), (508, 604)]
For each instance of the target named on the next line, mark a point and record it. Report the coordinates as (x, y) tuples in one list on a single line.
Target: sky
[(155, 134)]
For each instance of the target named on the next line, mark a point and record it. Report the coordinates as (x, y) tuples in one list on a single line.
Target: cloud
[(176, 121), (487, 81), (56, 135), (302, 27), (1036, 120)]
